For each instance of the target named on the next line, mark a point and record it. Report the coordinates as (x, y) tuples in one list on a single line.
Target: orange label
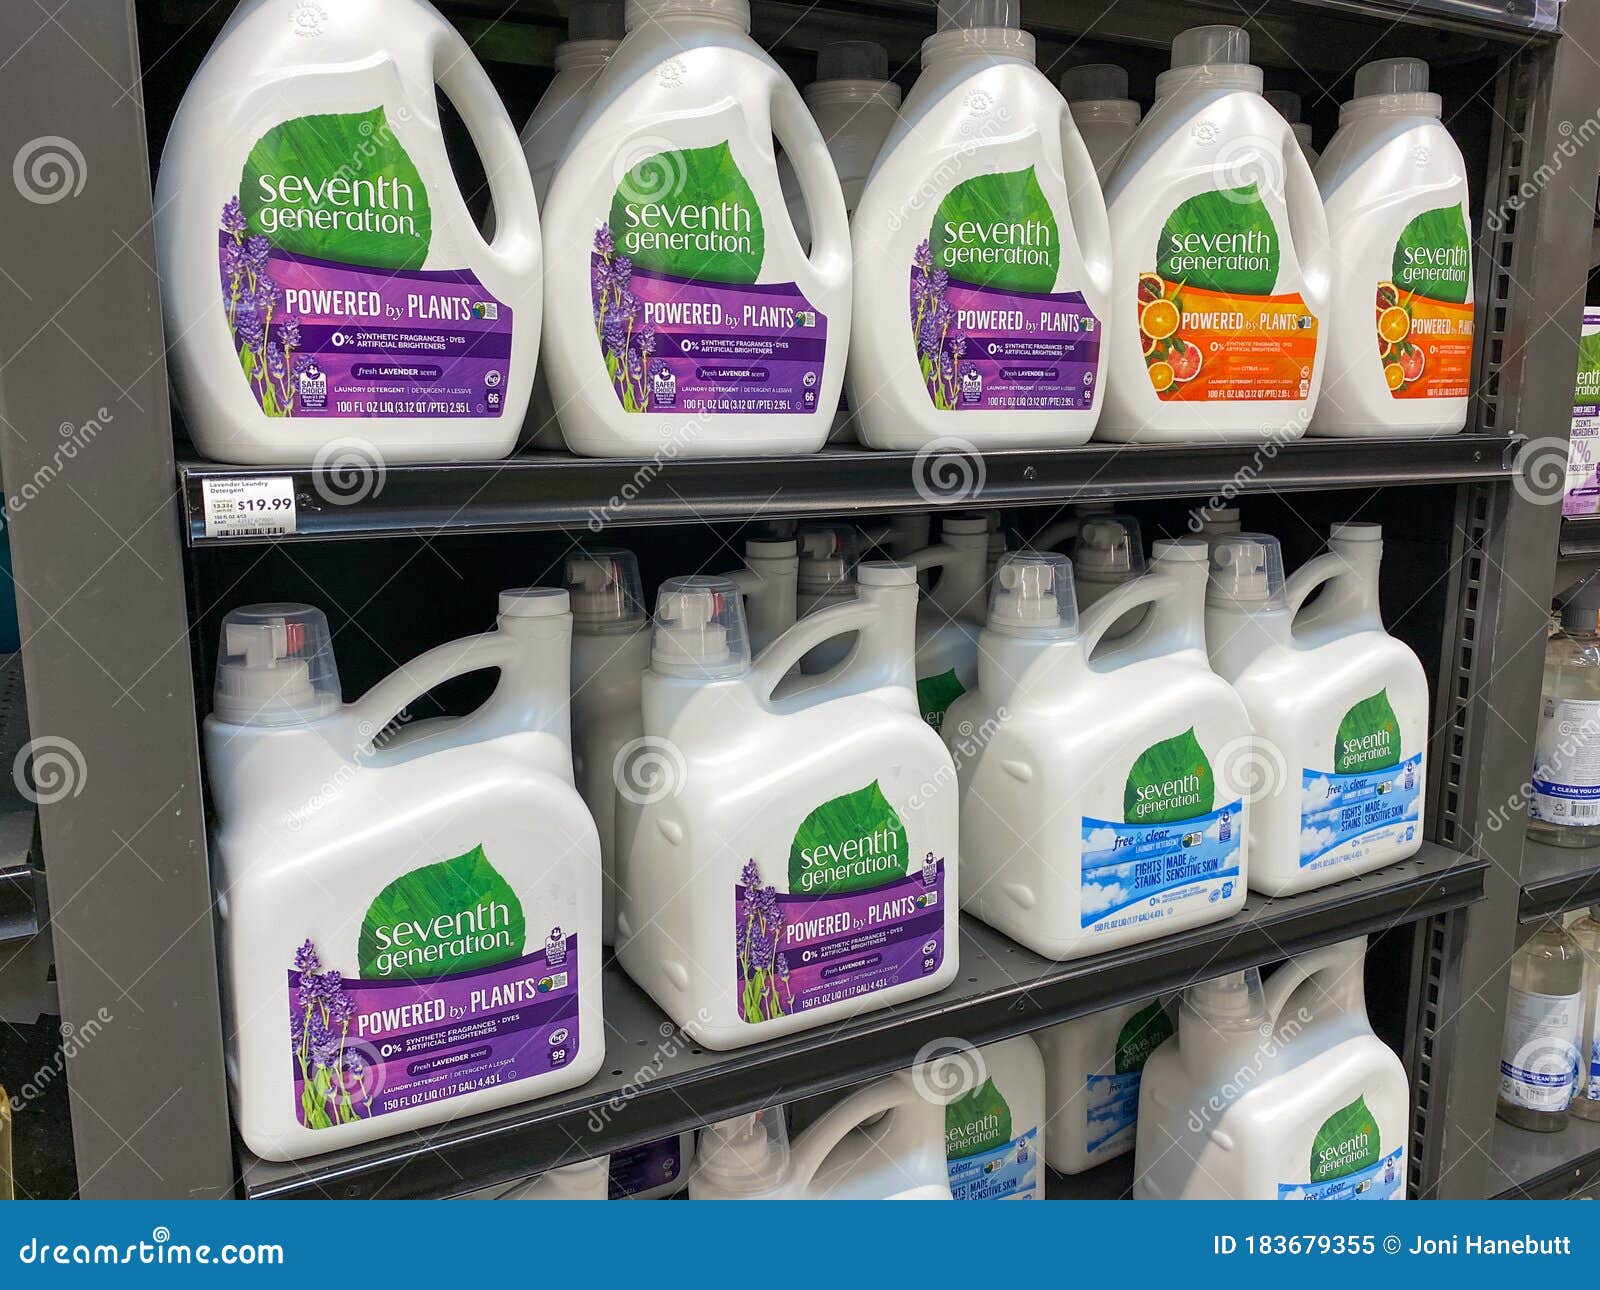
[(1425, 345), (1206, 346)]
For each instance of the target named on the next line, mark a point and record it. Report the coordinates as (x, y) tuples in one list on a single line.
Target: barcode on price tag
[(250, 506)]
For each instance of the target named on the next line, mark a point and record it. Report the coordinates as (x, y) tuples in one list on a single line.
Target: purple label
[(982, 348), (362, 1048), (831, 948), (645, 1168), (675, 345), (319, 339)]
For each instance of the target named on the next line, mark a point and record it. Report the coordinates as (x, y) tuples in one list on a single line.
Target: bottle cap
[(605, 587), (970, 15), (1094, 82), (641, 13), (853, 60), (1232, 1002), (1218, 520), (1347, 531), (747, 1154), (1246, 570), (771, 549), (1211, 45), (1391, 76), (596, 20), (275, 667), (1032, 595), (828, 557), (534, 602), (885, 573), (1285, 102), (964, 526), (1108, 550), (700, 629)]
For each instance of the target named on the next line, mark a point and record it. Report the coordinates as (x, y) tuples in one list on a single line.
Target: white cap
[(1232, 1002), (1218, 53), (972, 15), (885, 573), (1218, 520), (641, 13), (1094, 82), (534, 602), (828, 556), (1109, 549), (275, 667), (700, 629), (964, 525), (1353, 531), (1391, 76), (596, 20), (1285, 102), (1246, 570), (605, 588), (746, 1155), (853, 60), (1032, 595)]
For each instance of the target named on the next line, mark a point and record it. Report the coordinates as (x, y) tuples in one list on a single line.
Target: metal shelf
[(1556, 879), (548, 490), (656, 1083), (1544, 1166)]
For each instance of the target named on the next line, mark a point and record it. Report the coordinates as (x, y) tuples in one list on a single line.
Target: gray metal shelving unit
[(105, 540)]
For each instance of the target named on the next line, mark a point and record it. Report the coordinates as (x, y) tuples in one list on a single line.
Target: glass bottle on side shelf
[(1586, 1100), (1564, 805), (1544, 1017)]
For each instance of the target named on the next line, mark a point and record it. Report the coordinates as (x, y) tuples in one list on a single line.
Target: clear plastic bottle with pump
[(1586, 1100), (1544, 1018), (1564, 806), (1105, 116)]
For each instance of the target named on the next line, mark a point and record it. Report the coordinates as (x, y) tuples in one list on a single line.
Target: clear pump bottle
[(1544, 1015), (1564, 806)]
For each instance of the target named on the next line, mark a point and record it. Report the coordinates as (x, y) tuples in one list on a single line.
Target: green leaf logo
[(1221, 240), (935, 694), (690, 213), (1171, 780), (1587, 389), (852, 843), (442, 919), (1145, 1032), (1346, 1144), (1368, 738), (976, 1122), (338, 188), (1434, 257), (998, 231)]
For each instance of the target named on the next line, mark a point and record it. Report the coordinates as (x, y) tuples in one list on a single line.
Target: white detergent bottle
[(899, 536), (656, 1171), (1222, 282), (884, 1141), (829, 554), (386, 912), (327, 293), (1339, 709), (1092, 1068), (804, 868), (1095, 807), (769, 584), (1395, 186), (1286, 103), (610, 651), (1324, 1114), (1105, 116), (983, 257), (1107, 553), (994, 1120), (676, 272), (950, 617), (583, 1181), (594, 30)]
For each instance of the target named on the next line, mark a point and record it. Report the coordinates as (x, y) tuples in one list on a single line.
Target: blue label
[(1346, 818), (1113, 1108), (1138, 873), (1008, 1172), (1380, 1181)]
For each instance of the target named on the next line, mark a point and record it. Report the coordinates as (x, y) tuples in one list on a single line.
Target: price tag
[(251, 506)]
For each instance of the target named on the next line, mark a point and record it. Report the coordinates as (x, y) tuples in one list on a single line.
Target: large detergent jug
[(431, 955), (1282, 1093), (594, 31), (951, 615), (1105, 116), (884, 1141), (327, 293), (1092, 1069), (610, 651), (1339, 708), (1395, 187), (994, 1120), (983, 257), (1222, 266), (676, 272), (1096, 805), (803, 868)]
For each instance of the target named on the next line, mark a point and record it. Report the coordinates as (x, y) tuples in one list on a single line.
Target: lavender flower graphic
[(625, 340), (334, 1087), (940, 346), (266, 336), (763, 971)]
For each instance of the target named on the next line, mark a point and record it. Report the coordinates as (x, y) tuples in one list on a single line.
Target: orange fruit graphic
[(1393, 374), (1411, 364), (1388, 295), (1151, 287), (1393, 324), (1161, 376), (1185, 363), (1159, 319)]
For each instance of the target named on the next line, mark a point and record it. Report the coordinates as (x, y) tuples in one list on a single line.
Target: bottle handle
[(1328, 959), (1052, 535), (931, 557), (796, 130), (819, 1141), (776, 661), (1309, 576), (378, 708), (1098, 619)]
